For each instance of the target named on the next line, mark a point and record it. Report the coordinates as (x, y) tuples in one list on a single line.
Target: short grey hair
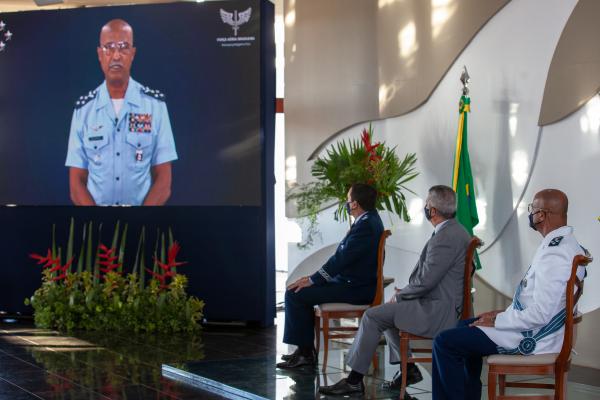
[(443, 199)]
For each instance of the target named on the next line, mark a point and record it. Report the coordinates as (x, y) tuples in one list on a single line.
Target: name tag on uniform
[(95, 138), (140, 123), (139, 155)]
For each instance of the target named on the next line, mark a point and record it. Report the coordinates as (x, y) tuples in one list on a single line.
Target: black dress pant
[(299, 308)]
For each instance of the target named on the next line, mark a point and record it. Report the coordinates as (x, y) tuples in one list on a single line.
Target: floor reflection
[(36, 363)]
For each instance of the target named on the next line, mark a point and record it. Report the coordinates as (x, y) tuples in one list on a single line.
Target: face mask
[(531, 223), (427, 213), (348, 209)]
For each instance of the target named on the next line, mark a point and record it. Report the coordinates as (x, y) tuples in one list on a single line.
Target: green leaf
[(115, 237), (142, 259), (97, 259), (70, 242), (122, 248), (82, 250), (53, 240), (155, 265), (163, 253), (88, 256)]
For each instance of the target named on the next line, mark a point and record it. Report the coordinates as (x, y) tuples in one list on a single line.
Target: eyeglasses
[(530, 209), (112, 47)]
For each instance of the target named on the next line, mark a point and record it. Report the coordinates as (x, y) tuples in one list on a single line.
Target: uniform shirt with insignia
[(119, 150), (532, 323)]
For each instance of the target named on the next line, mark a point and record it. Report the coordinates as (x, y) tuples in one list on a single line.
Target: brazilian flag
[(462, 179)]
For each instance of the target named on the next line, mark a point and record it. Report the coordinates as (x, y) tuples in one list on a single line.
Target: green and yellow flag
[(462, 179)]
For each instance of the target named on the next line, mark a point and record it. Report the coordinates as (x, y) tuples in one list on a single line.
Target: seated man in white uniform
[(532, 324)]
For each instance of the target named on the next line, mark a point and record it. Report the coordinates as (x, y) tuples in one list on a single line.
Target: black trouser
[(299, 308)]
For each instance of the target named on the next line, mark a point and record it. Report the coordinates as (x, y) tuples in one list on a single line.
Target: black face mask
[(531, 223), (348, 209), (427, 213)]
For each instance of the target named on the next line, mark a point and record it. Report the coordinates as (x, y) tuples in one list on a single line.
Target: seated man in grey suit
[(429, 304)]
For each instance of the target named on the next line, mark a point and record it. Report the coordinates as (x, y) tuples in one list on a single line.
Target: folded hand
[(300, 284)]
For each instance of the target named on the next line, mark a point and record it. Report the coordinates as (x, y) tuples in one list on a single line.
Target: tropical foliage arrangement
[(355, 161), (93, 291)]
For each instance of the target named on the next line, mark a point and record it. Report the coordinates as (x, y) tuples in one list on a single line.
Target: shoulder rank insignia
[(154, 93), (555, 241), (83, 100)]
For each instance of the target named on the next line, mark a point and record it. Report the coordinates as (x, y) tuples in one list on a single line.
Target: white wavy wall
[(512, 158)]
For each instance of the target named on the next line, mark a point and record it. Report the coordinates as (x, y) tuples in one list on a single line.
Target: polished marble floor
[(41, 364)]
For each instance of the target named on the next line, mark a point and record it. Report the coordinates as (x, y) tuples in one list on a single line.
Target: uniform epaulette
[(83, 100), (157, 94), (555, 241)]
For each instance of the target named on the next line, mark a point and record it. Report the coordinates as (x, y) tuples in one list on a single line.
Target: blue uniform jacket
[(355, 259), (119, 150)]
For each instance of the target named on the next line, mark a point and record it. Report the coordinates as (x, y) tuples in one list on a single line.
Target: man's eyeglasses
[(531, 208), (112, 47)]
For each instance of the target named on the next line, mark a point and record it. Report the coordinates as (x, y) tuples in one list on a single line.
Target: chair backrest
[(378, 299), (467, 307), (574, 292)]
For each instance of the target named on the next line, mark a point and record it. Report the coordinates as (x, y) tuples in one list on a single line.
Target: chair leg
[(491, 386), (325, 341), (501, 384), (375, 362), (403, 365), (560, 385), (317, 334)]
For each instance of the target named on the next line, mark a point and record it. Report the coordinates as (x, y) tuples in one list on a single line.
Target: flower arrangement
[(97, 294), (346, 163)]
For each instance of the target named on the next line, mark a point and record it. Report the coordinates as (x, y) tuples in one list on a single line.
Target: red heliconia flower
[(47, 260), (107, 260), (168, 266), (63, 268), (366, 139)]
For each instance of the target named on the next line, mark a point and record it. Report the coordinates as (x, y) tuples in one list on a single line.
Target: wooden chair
[(328, 311), (467, 312), (557, 364)]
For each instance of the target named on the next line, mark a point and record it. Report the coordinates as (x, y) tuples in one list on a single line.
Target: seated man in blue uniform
[(532, 324), (349, 276), (120, 145), (430, 303)]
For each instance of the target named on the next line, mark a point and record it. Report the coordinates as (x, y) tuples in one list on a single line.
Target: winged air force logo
[(236, 19)]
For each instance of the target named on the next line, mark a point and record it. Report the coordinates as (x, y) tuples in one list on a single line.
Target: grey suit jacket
[(432, 300)]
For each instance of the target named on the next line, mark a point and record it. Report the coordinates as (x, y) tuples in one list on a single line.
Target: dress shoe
[(343, 388), (298, 360), (413, 375), (287, 357)]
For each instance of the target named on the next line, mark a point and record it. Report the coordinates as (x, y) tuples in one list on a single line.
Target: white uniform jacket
[(534, 322)]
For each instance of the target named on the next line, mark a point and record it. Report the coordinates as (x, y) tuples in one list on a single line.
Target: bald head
[(116, 26), (548, 211), (116, 53), (553, 200)]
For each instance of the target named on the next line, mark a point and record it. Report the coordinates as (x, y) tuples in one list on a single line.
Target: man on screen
[(121, 144)]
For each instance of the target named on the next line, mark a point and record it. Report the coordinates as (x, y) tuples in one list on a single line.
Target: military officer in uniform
[(348, 276), (532, 324), (120, 145)]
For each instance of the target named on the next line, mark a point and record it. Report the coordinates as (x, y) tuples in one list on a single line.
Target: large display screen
[(131, 105)]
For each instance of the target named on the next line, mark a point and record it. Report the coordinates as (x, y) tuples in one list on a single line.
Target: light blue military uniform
[(119, 150)]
